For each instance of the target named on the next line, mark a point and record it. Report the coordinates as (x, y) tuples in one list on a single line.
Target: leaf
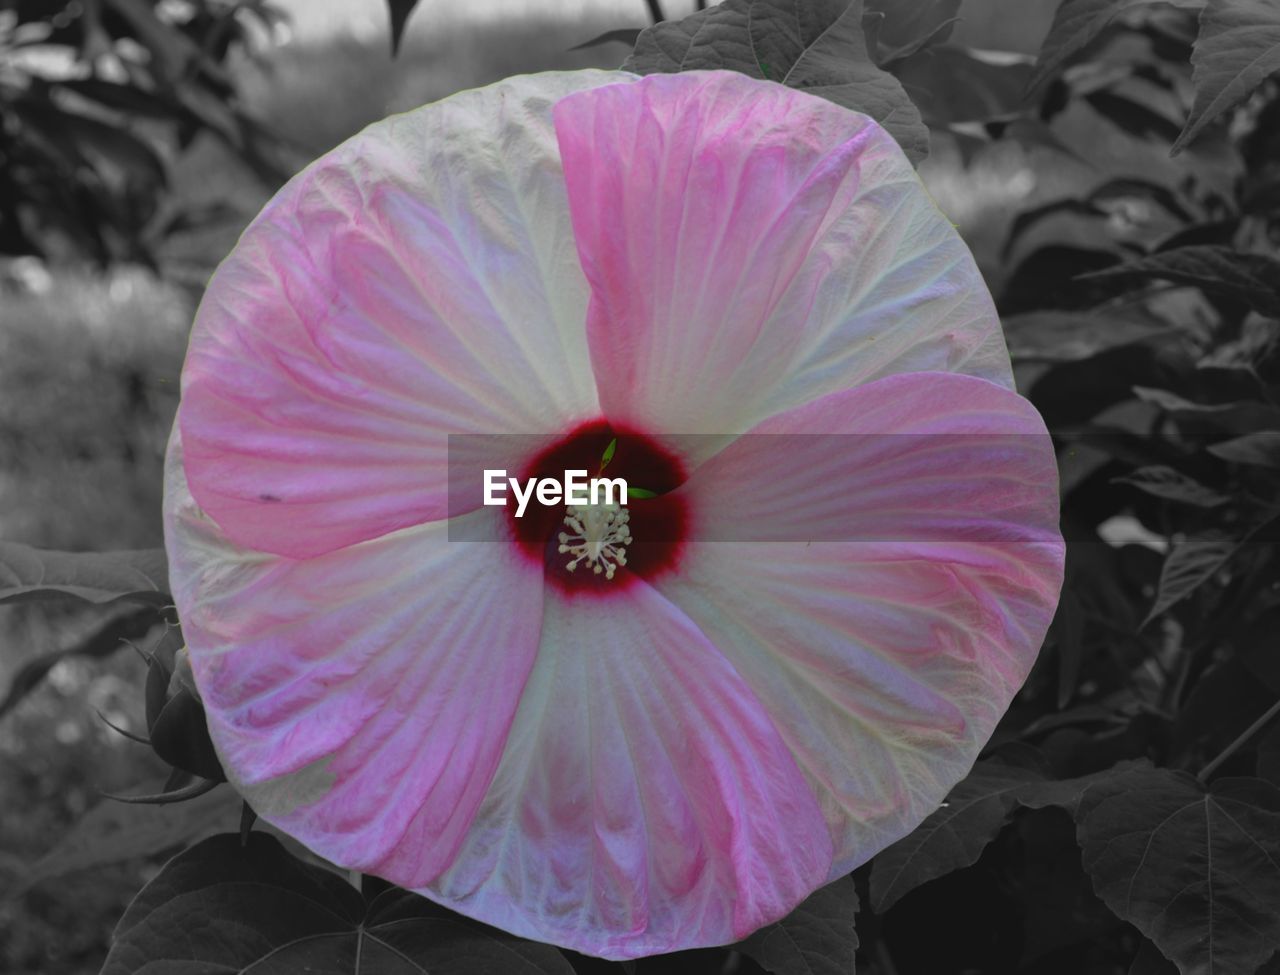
[(1149, 961), (816, 46), (624, 35), (1237, 49), (1190, 565), (1028, 218), (115, 151), (907, 26), (1068, 793), (713, 38), (1130, 187), (1075, 24), (1101, 202), (180, 736), (1255, 644), (160, 664), (1133, 116), (1260, 449), (102, 642), (954, 85), (1238, 417), (1196, 871), (127, 99), (1067, 632), (112, 832), (817, 938), (1251, 278), (1047, 278), (226, 907), (399, 11), (1269, 755), (952, 836), (1164, 482), (28, 573)]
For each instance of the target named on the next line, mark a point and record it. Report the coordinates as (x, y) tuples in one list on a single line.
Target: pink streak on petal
[(916, 457), (645, 802), (886, 662), (410, 284), (751, 247), (342, 691)]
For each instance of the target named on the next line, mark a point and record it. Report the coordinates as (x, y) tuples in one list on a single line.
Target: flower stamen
[(599, 534)]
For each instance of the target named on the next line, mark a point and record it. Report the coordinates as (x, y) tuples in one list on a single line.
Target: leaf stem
[(655, 10), (1245, 735)]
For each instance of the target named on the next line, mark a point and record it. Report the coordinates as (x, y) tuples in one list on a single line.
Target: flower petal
[(419, 280), (645, 802), (341, 691), (896, 565), (751, 247)]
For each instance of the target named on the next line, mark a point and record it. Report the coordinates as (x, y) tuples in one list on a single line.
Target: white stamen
[(599, 534)]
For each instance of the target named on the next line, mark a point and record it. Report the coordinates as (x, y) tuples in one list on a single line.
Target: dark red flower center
[(653, 528)]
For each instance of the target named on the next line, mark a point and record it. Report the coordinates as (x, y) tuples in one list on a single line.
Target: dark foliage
[(95, 97)]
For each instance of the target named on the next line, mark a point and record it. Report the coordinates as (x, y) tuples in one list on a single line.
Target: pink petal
[(343, 692), (412, 283), (751, 247), (645, 802), (889, 587)]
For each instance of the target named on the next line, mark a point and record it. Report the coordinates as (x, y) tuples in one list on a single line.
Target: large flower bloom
[(817, 624)]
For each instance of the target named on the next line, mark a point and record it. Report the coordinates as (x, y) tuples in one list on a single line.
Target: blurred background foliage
[(138, 137)]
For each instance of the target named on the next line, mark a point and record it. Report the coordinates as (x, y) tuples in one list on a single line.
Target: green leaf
[(639, 494), (224, 906), (1251, 278), (816, 46), (399, 11), (1161, 481), (952, 836), (1197, 871), (28, 573), (1238, 48), (1260, 449), (609, 451), (112, 832), (817, 938), (1075, 24)]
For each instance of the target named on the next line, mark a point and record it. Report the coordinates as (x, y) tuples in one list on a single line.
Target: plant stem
[(1245, 735), (655, 10)]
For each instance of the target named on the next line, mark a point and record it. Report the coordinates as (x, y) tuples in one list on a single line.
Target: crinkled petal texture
[(870, 558), (751, 247), (880, 565), (419, 281)]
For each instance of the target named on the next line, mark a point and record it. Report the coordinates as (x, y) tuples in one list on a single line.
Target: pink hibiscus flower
[(787, 656)]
